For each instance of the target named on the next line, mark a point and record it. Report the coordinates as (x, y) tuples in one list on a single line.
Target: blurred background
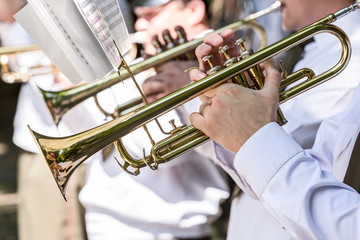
[(8, 156)]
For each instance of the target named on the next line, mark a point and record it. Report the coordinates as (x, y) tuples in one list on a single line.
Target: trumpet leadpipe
[(18, 49)]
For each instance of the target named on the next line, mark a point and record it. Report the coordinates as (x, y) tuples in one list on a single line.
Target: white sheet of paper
[(47, 43), (107, 23), (114, 19), (59, 29)]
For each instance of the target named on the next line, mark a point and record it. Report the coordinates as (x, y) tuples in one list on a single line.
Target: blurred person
[(182, 198), (42, 212), (307, 111), (270, 22)]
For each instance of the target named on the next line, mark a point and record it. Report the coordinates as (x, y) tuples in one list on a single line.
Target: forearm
[(309, 202)]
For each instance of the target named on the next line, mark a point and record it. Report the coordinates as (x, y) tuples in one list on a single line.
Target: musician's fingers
[(204, 108), (272, 81), (197, 120), (201, 51), (181, 33), (229, 40), (156, 42), (215, 41), (204, 98), (226, 88), (196, 75), (167, 39)]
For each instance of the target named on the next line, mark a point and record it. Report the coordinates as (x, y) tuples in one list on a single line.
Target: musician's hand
[(232, 113), (211, 45), (164, 41), (169, 78)]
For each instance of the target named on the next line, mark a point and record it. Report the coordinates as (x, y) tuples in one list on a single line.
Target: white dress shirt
[(303, 189), (304, 114)]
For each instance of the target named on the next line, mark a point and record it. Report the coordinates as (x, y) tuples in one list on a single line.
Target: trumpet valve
[(168, 39), (181, 35), (212, 69), (239, 79), (156, 43), (244, 51), (175, 129), (229, 60), (240, 43), (4, 61)]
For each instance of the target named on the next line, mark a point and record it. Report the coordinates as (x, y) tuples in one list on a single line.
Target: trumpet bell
[(57, 169), (60, 157)]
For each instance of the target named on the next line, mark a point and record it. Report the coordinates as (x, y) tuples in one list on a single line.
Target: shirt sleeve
[(309, 202)]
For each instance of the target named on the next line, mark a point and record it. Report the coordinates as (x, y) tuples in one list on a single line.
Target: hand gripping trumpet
[(65, 154)]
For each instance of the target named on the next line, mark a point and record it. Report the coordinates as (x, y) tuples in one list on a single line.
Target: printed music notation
[(69, 41)]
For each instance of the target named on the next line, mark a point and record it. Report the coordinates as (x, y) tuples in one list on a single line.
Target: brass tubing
[(59, 102), (18, 49), (65, 154)]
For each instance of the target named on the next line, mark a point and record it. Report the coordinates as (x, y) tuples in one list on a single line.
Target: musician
[(153, 20), (181, 199), (300, 188), (303, 118)]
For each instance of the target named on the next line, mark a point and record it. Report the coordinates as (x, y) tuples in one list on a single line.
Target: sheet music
[(106, 21), (114, 19), (53, 51), (60, 30), (94, 19)]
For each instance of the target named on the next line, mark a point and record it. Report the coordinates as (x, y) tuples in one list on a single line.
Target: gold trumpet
[(19, 74), (60, 102), (63, 155)]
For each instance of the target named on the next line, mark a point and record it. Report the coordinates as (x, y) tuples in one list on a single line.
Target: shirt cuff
[(263, 154)]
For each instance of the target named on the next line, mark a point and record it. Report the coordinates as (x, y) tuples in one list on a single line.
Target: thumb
[(196, 75), (273, 79)]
